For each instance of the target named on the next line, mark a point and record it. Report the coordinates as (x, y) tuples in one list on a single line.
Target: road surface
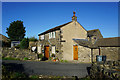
[(50, 68)]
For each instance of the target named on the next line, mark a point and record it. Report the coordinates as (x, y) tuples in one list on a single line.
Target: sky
[(38, 17)]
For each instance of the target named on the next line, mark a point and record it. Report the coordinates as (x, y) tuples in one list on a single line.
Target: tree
[(16, 31), (24, 44), (33, 39)]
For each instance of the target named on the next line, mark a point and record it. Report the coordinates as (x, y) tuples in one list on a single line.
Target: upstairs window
[(42, 37), (51, 35)]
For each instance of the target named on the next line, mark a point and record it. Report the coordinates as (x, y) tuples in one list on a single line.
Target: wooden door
[(75, 52), (47, 51)]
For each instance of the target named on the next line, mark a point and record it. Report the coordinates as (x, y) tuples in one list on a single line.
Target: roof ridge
[(111, 37), (54, 28), (93, 29)]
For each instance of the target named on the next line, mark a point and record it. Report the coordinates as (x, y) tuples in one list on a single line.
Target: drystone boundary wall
[(19, 53), (105, 70)]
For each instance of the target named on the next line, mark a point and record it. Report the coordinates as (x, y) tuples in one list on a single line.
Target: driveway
[(51, 68)]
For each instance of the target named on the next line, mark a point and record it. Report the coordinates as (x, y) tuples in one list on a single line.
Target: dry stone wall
[(19, 53), (109, 70)]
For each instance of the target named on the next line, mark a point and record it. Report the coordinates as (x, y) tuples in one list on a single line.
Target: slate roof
[(108, 42), (55, 28), (83, 42), (95, 32), (104, 42)]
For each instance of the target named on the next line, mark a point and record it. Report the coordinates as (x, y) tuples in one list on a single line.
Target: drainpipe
[(99, 51), (49, 41), (92, 55)]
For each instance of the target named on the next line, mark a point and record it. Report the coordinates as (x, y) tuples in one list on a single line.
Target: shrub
[(25, 58), (18, 46), (53, 55), (24, 44), (40, 56), (50, 58)]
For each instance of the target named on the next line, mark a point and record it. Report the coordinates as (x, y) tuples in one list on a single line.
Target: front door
[(47, 51), (75, 52)]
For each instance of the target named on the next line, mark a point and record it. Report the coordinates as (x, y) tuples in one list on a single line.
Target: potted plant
[(57, 50)]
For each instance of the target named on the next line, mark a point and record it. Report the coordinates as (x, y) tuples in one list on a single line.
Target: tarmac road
[(51, 68)]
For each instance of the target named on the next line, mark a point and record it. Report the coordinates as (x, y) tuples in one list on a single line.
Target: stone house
[(70, 41), (4, 41)]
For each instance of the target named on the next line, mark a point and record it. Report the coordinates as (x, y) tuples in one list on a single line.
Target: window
[(42, 37), (51, 35), (53, 49), (39, 49)]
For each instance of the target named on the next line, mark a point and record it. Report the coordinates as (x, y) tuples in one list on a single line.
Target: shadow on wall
[(88, 70)]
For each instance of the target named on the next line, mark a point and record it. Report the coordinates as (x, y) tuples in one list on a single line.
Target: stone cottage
[(70, 41)]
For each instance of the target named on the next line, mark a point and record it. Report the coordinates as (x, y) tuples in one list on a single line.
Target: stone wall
[(109, 70), (95, 53), (19, 53), (32, 44), (112, 53), (84, 54), (52, 42)]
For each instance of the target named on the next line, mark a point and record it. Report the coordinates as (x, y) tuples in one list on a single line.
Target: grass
[(34, 77), (25, 58), (9, 58), (64, 61)]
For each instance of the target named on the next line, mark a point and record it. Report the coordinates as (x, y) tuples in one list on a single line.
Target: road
[(51, 68)]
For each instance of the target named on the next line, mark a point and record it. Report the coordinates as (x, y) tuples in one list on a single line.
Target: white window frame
[(53, 34), (50, 35), (53, 49), (39, 49), (42, 37)]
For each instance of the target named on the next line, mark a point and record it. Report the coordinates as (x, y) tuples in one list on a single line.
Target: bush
[(53, 55), (24, 44), (18, 46), (25, 58), (40, 56)]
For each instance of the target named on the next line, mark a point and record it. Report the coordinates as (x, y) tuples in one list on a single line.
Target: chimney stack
[(74, 18)]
